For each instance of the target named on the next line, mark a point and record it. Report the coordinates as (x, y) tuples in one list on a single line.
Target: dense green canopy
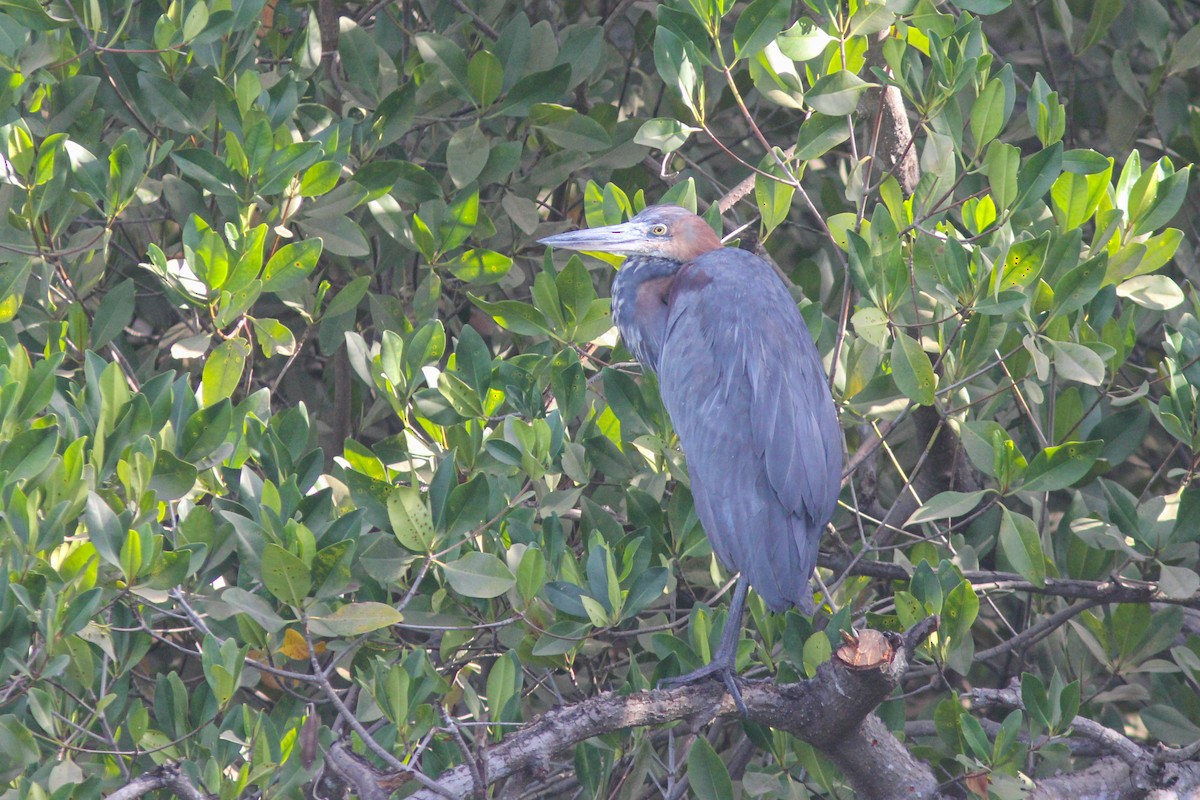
[(318, 475)]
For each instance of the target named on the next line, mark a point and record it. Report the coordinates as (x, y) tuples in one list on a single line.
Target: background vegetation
[(302, 436)]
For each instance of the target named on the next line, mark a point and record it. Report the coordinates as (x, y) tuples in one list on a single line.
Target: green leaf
[(462, 398), (466, 154), (1178, 583), (460, 219), (1077, 362), (515, 316), (663, 133), (448, 56), (1023, 263), (479, 575), (338, 234), (208, 171), (274, 338), (983, 6), (1185, 55), (285, 575), (959, 611), (103, 528), (1035, 699), (411, 519), (223, 369), (817, 651), (569, 129), (706, 772), (912, 370), (804, 41), (1060, 466), (1085, 162), (975, 737), (502, 681), (575, 290), (204, 431), (1000, 164), (531, 574), (28, 452), (988, 114), (1038, 174), (291, 264), (485, 77), (1155, 292), (773, 195), (173, 478), (1104, 12), (320, 178), (17, 745), (819, 134), (540, 87), (1077, 288), (837, 94), (13, 277), (871, 18), (467, 506), (872, 324), (1022, 546), (676, 67), (349, 297), (285, 164), (647, 588), (946, 505), (114, 313), (244, 273), (480, 267), (253, 606), (411, 182), (1074, 198), (1168, 199), (355, 619), (758, 25)]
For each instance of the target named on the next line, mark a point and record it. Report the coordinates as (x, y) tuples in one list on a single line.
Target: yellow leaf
[(294, 645)]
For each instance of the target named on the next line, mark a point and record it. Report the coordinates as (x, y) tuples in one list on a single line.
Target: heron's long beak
[(625, 239)]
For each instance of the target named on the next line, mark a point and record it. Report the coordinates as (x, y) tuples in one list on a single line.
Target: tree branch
[(1113, 590), (833, 712), (169, 776), (1132, 772)]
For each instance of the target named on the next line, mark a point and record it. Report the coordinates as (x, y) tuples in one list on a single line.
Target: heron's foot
[(721, 669)]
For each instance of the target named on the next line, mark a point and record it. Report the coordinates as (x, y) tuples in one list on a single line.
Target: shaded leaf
[(1022, 546), (479, 575), (355, 619), (912, 370)]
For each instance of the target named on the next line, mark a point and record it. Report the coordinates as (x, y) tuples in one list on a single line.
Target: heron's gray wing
[(747, 394)]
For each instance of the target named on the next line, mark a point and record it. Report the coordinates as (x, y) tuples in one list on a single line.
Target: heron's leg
[(724, 660)]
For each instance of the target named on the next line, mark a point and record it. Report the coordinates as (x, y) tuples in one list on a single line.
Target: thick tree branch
[(169, 776), (351, 770), (833, 712)]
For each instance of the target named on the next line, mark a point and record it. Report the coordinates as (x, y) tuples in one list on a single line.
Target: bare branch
[(1113, 590), (368, 782), (169, 776)]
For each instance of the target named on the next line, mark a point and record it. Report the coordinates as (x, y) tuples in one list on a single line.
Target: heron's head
[(667, 232)]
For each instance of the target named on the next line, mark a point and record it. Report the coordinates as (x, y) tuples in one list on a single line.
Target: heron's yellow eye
[(659, 230)]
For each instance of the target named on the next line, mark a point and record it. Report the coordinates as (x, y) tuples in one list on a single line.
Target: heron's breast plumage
[(640, 305), (747, 394)]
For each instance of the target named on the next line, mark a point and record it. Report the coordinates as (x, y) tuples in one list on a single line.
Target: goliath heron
[(746, 392)]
